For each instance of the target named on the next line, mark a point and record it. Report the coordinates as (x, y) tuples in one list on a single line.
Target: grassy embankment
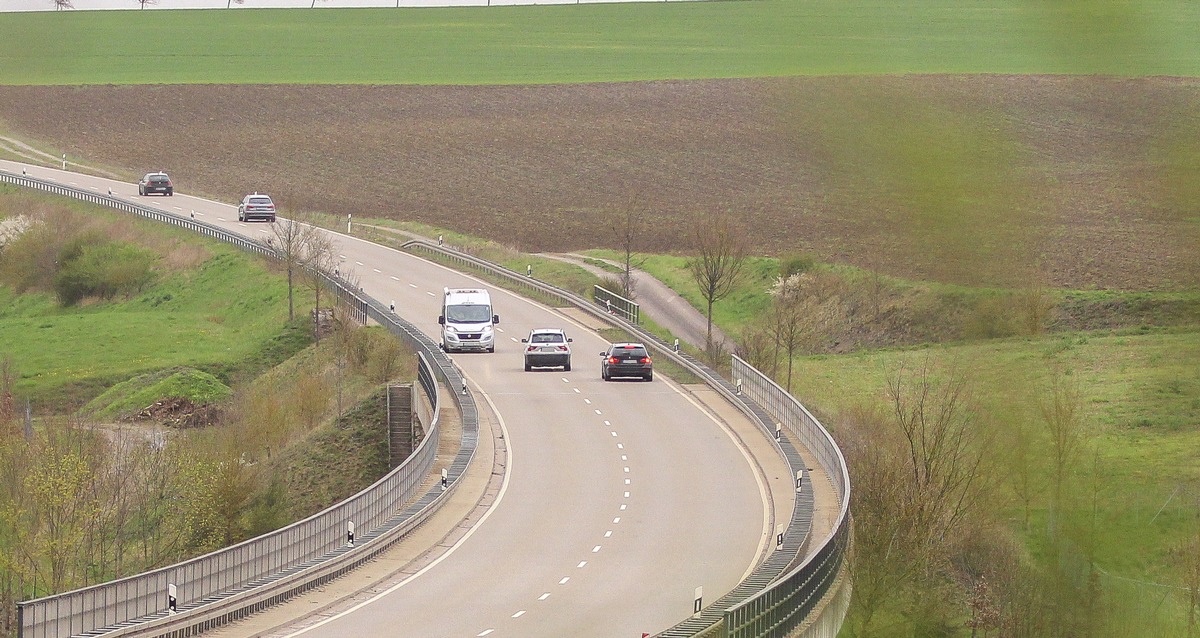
[(279, 420)]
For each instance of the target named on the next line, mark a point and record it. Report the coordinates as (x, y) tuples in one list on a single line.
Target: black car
[(626, 360), (156, 183)]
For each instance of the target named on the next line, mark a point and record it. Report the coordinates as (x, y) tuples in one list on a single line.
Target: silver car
[(256, 207), (547, 348)]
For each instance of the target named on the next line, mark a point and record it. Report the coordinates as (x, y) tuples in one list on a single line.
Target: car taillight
[(645, 360), (530, 348), (562, 348), (613, 360)]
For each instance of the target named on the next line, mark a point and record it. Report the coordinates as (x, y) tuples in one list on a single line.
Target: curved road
[(619, 499)]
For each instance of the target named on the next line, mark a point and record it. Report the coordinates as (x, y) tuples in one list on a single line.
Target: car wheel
[(567, 366), (170, 193), (492, 349), (604, 375), (141, 192), (528, 368), (649, 376)]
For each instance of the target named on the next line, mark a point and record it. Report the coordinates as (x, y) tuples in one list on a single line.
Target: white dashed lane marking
[(544, 596)]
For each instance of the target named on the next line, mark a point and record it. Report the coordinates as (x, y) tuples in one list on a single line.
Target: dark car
[(256, 206), (626, 360), (156, 183)]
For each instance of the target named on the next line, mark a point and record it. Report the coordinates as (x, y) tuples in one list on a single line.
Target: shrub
[(92, 267), (795, 264)]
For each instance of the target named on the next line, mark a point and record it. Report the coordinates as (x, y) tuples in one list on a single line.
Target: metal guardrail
[(769, 602), (613, 302), (239, 580), (787, 603)]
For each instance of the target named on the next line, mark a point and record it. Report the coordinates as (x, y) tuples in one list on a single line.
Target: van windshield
[(469, 314)]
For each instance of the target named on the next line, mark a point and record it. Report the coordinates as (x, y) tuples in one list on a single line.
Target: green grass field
[(600, 43), (215, 316)]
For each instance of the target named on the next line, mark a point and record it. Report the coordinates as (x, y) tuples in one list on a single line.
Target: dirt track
[(1069, 172)]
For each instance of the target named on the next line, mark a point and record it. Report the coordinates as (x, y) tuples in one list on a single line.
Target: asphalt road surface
[(620, 498)]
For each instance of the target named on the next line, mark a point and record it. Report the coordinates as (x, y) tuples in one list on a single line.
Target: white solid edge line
[(756, 470), (439, 559), (764, 492)]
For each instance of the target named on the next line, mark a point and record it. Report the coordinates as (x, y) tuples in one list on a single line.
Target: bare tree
[(721, 251), (917, 476), (291, 240), (627, 227), (143, 3), (787, 308), (319, 262), (59, 5), (1061, 407)]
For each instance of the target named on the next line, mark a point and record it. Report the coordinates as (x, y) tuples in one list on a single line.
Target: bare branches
[(721, 250), (627, 227), (293, 240)]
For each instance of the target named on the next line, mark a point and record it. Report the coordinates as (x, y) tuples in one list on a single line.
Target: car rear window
[(629, 353), (547, 337), (260, 200)]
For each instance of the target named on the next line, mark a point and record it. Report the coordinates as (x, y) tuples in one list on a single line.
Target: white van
[(467, 320)]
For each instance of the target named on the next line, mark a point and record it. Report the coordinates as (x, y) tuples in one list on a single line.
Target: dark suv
[(156, 183), (626, 360), (256, 206)]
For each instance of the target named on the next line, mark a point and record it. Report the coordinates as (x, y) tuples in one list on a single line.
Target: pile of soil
[(179, 413)]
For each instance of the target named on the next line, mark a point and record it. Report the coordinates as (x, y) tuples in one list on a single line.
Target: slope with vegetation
[(176, 409)]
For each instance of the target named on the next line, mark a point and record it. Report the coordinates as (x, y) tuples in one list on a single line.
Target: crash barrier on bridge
[(811, 598), (236, 581), (800, 591)]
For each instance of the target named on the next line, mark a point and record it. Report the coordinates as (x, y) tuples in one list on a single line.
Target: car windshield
[(547, 337), (469, 314)]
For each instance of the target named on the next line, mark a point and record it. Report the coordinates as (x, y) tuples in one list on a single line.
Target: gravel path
[(659, 302)]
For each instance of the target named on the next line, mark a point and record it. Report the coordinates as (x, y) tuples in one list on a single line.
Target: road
[(619, 498)]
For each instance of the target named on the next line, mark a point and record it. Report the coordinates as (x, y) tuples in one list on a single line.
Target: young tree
[(1061, 408), (918, 480), (627, 227), (721, 249), (142, 3), (320, 259), (292, 240)]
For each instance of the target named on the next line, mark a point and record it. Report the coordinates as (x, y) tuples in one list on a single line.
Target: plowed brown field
[(1085, 177)]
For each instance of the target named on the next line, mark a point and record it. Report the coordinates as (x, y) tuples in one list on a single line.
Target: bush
[(93, 267), (795, 264)]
